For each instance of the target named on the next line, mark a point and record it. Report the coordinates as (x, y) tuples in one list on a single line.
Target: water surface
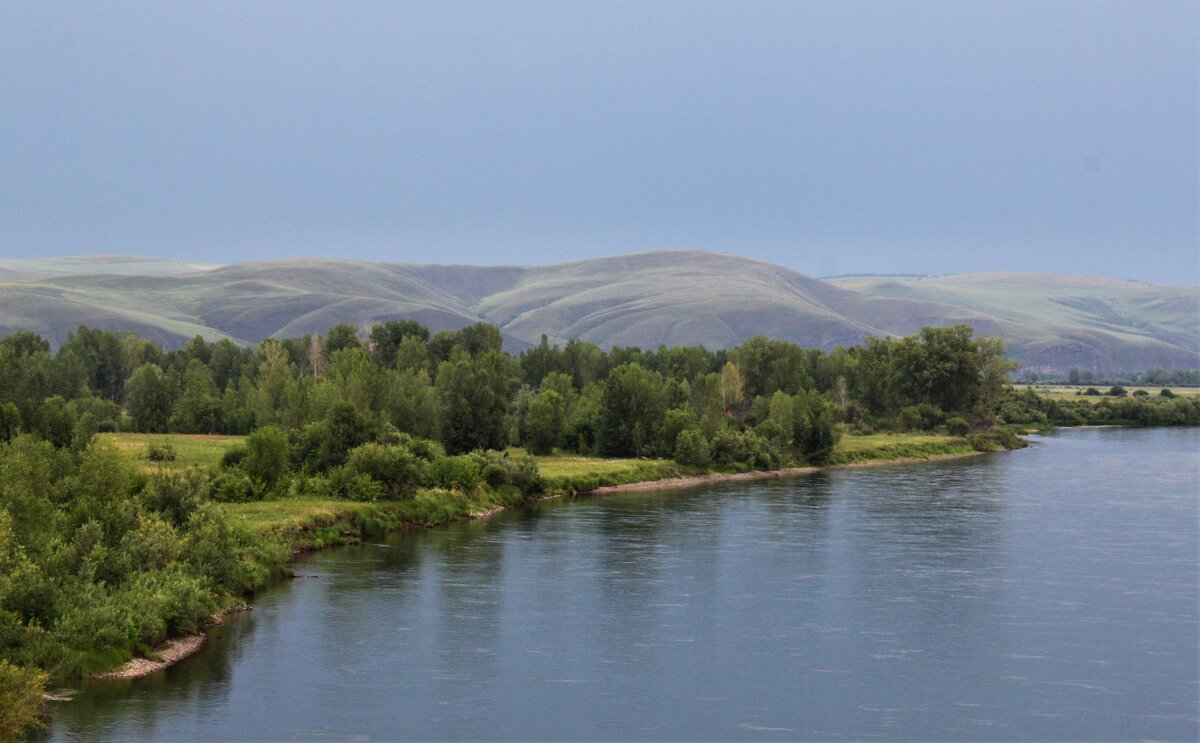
[(1048, 593)]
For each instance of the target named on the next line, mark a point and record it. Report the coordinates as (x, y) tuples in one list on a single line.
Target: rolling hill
[(644, 299)]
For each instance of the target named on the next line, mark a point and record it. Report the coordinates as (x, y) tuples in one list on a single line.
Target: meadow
[(1075, 391)]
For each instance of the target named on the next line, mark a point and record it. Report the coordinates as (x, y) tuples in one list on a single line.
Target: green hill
[(644, 299)]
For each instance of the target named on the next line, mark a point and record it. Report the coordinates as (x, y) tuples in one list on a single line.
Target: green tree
[(267, 455), (631, 412), (198, 409), (815, 429), (544, 421), (339, 337), (733, 389), (149, 398), (472, 401), (386, 337)]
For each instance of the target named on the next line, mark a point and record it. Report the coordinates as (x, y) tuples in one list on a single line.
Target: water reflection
[(1049, 593)]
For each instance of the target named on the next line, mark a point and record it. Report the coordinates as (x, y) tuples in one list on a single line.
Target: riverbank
[(687, 481)]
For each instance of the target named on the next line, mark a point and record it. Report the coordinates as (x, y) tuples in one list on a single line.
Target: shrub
[(460, 472), (923, 417), (20, 699), (350, 484), (996, 439), (157, 451), (397, 470), (691, 448), (1166, 393), (499, 469), (1092, 391), (1117, 391), (234, 456), (232, 486), (746, 448), (957, 427), (266, 458)]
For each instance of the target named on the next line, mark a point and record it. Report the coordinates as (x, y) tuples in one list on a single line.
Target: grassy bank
[(890, 446), (570, 473)]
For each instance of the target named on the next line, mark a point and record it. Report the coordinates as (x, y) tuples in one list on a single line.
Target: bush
[(346, 482), (1166, 393), (397, 470), (461, 472), (1141, 393), (996, 439), (746, 448), (923, 417), (157, 451), (266, 458), (233, 457), (1117, 391), (1092, 391), (957, 427), (20, 699), (500, 469), (233, 486), (691, 448)]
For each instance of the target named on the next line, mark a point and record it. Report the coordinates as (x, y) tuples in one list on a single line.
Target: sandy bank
[(171, 651), (166, 654)]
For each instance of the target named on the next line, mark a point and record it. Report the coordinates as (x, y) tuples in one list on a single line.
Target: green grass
[(191, 450), (1069, 391), (887, 446), (574, 465), (569, 473)]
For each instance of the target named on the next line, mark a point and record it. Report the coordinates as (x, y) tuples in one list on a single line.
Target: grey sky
[(831, 138)]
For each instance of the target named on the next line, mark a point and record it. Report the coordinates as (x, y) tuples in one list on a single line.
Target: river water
[(1047, 593)]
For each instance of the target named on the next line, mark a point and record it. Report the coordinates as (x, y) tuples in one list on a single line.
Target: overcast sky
[(831, 138)]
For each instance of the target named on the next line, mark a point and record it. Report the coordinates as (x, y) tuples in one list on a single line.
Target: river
[(1047, 593)]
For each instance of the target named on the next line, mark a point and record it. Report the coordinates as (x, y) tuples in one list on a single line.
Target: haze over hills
[(644, 299)]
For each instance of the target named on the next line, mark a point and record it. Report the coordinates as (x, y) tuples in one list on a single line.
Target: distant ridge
[(645, 299), (16, 269)]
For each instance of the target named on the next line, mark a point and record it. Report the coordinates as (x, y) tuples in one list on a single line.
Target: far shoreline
[(691, 481)]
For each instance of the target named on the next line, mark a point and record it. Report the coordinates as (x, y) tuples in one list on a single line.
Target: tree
[(267, 454), (472, 401), (631, 411), (994, 368), (815, 426), (544, 421), (386, 337), (339, 337), (198, 409), (104, 357), (782, 413), (733, 390), (149, 399), (10, 421)]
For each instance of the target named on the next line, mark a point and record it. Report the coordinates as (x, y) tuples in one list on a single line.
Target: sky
[(832, 138)]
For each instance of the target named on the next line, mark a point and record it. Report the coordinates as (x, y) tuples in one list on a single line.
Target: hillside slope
[(1063, 321), (644, 299)]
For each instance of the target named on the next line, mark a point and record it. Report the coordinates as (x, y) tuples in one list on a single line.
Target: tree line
[(461, 389)]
